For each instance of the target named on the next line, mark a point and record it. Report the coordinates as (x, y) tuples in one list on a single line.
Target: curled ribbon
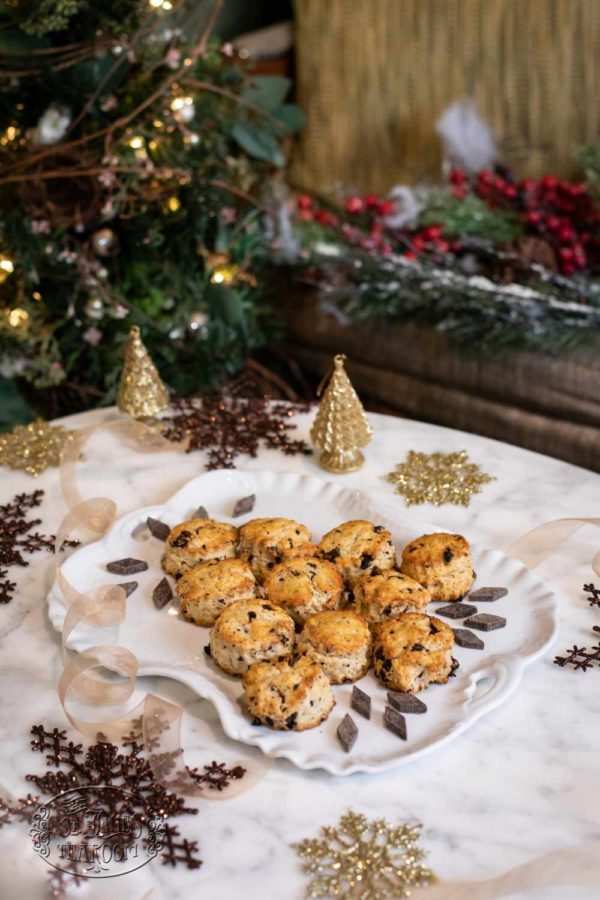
[(156, 720)]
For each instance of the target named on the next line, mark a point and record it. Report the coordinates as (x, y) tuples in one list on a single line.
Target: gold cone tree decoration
[(341, 427), (142, 392)]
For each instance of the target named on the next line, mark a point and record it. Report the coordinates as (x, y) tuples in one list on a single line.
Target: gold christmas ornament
[(362, 859), (341, 426), (34, 447), (104, 242), (142, 392), (438, 478)]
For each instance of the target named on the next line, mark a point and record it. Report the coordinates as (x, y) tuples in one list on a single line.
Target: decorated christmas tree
[(136, 161), (340, 427)]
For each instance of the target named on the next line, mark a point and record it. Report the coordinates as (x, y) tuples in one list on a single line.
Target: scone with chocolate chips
[(197, 541), (266, 542), (208, 588), (413, 651), (358, 547), (441, 563), (250, 631), (340, 641), (385, 596), (290, 695), (304, 587)]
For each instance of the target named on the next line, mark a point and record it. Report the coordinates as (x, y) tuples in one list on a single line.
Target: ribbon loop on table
[(541, 542)]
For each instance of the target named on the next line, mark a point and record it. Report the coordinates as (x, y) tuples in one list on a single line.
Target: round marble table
[(523, 781)]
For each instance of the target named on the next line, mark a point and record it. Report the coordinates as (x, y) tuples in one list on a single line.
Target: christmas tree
[(136, 161), (340, 427)]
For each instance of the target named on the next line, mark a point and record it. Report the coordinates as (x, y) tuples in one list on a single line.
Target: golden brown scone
[(357, 547), (208, 588), (266, 542), (196, 541), (304, 586), (412, 651), (290, 695), (250, 631), (441, 563), (385, 596), (340, 641)]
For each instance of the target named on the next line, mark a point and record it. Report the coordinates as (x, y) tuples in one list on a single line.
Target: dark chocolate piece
[(128, 586), (200, 513), (406, 703), (347, 733), (487, 594), (208, 651), (243, 506), (128, 566), (157, 528), (162, 594), (466, 638), (361, 702), (394, 721), (456, 610), (485, 622), (455, 667)]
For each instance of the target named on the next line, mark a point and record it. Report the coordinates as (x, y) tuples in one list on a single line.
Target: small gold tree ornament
[(341, 427), (142, 392)]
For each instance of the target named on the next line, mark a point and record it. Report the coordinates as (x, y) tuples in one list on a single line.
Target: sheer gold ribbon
[(104, 606)]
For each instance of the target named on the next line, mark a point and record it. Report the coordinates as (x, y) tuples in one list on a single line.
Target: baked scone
[(385, 596), (357, 547), (208, 588), (250, 631), (290, 695), (266, 542), (340, 641), (196, 541), (412, 651), (440, 562), (304, 587)]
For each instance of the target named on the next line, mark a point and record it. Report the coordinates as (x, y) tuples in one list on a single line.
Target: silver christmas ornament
[(104, 242)]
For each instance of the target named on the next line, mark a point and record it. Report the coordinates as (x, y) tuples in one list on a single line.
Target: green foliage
[(171, 151), (589, 160), (469, 217)]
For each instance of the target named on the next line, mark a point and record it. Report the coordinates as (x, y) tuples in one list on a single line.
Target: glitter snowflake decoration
[(438, 478), (368, 860), (34, 447)]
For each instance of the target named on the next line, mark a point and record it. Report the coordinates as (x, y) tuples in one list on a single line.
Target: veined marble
[(524, 780)]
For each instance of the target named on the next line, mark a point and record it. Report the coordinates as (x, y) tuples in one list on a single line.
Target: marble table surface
[(523, 781)]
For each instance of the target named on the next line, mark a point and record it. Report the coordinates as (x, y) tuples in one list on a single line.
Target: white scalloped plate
[(167, 645)]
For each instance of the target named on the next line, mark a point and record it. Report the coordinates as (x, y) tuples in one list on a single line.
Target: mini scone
[(340, 641), (249, 631), (386, 595), (197, 541), (266, 542), (290, 695), (412, 651), (208, 588), (357, 547), (441, 563), (304, 586)]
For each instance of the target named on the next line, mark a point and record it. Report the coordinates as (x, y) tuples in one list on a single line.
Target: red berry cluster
[(369, 211)]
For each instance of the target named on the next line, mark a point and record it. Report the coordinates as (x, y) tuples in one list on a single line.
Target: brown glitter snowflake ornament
[(367, 860), (438, 478)]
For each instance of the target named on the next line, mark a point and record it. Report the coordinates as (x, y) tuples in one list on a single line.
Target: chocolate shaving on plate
[(406, 703), (243, 506), (347, 733), (485, 622), (456, 610), (361, 702), (395, 722), (487, 594), (128, 586), (127, 566), (200, 513), (157, 528), (466, 638), (162, 594)]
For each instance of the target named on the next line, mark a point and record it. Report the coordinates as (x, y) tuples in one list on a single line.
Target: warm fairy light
[(167, 5), (37, 296), (173, 204), (156, 3), (17, 317), (136, 143), (188, 61), (224, 274), (7, 265), (152, 145), (158, 123), (11, 134), (179, 102)]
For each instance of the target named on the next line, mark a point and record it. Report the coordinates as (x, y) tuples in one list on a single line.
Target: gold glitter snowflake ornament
[(363, 859), (438, 478), (34, 447)]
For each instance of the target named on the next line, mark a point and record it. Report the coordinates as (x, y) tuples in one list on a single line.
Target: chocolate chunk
[(406, 703), (455, 667), (485, 622), (347, 733), (448, 555), (251, 615), (157, 528), (243, 506), (208, 651), (433, 629), (182, 539), (361, 702), (128, 586), (128, 566), (417, 647), (366, 560), (350, 597), (291, 720), (378, 529), (394, 721), (162, 594), (487, 594), (255, 720), (200, 513), (331, 555), (466, 638), (456, 610)]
